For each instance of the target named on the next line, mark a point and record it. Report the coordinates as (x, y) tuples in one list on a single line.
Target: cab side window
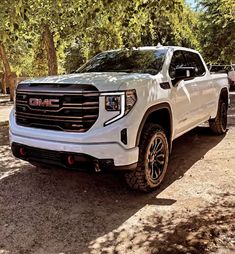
[(178, 60), (194, 60)]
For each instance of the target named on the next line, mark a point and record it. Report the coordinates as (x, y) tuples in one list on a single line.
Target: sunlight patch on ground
[(8, 164)]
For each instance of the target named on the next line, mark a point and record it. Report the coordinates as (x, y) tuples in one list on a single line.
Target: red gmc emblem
[(44, 103)]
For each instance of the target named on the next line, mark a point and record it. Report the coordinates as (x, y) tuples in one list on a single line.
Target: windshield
[(132, 61)]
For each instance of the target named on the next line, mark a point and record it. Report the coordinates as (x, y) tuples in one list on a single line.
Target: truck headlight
[(131, 99), (113, 103), (119, 101)]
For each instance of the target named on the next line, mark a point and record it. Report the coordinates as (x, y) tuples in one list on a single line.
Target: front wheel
[(153, 160), (219, 124)]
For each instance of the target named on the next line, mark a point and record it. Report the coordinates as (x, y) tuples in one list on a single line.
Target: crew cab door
[(206, 100), (185, 96)]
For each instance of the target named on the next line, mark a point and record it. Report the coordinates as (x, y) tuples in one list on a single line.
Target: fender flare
[(223, 90), (152, 109)]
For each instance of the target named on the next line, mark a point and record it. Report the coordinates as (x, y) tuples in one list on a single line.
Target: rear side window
[(194, 60), (178, 60)]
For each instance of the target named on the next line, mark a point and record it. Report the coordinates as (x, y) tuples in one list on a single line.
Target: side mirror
[(184, 73)]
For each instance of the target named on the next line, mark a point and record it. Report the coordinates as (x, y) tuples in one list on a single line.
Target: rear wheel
[(219, 124), (153, 160)]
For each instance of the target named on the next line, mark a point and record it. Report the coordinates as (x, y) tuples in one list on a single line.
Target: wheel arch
[(160, 114), (224, 95)]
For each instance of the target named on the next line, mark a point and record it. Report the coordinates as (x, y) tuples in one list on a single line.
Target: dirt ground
[(59, 211)]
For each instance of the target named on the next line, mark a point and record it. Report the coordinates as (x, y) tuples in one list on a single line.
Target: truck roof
[(159, 47), (168, 47)]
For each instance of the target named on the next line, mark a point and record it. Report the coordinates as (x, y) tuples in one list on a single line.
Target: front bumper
[(45, 139), (38, 156)]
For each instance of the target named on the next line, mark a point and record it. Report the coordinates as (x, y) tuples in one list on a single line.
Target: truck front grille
[(74, 111)]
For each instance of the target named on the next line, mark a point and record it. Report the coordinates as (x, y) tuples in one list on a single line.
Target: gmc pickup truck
[(121, 110)]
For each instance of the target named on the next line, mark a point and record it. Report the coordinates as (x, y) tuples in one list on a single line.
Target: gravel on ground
[(61, 211)]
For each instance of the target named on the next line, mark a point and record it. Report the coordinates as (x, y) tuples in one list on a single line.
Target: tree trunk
[(4, 85), (10, 79), (51, 52)]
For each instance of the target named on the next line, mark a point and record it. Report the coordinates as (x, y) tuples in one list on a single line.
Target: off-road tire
[(218, 125), (140, 178)]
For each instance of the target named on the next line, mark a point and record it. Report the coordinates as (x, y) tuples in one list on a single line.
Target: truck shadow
[(187, 150), (57, 210)]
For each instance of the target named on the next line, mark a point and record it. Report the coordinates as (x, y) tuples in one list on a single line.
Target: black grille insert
[(74, 111)]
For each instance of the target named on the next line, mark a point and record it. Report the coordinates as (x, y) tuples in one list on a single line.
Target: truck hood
[(103, 81)]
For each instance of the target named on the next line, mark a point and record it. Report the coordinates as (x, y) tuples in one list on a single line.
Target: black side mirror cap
[(184, 73)]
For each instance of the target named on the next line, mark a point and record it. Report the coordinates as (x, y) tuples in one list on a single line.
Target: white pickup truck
[(121, 110)]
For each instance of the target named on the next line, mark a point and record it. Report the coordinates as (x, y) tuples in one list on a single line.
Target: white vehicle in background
[(229, 69), (231, 77), (122, 110)]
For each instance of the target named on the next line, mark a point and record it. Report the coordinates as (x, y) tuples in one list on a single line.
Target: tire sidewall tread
[(137, 179)]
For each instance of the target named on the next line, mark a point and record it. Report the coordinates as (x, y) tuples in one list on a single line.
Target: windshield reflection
[(130, 61)]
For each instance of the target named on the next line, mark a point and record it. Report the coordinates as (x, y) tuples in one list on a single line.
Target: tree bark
[(4, 84), (10, 78), (51, 52)]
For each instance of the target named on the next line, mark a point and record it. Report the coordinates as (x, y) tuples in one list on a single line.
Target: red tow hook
[(22, 151), (70, 160)]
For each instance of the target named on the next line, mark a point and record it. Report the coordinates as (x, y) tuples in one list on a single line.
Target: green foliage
[(82, 28), (217, 30), (74, 58), (39, 61), (116, 24), (8, 18)]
